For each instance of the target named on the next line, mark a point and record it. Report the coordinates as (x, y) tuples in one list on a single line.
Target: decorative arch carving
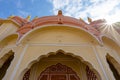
[(61, 51), (58, 72), (26, 75), (90, 74)]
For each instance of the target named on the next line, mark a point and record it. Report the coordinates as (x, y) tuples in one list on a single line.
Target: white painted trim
[(99, 61), (18, 64)]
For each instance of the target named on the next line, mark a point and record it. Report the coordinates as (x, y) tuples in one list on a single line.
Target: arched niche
[(9, 40), (114, 66), (60, 52), (60, 33), (8, 28), (5, 62), (109, 43)]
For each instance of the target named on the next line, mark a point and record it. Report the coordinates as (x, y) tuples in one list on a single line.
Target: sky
[(95, 9)]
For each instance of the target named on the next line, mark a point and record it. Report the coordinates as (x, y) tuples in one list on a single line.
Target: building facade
[(58, 48)]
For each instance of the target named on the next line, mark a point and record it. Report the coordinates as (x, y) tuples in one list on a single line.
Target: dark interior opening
[(115, 73), (5, 66)]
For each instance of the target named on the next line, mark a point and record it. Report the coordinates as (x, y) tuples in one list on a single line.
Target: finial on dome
[(60, 12), (89, 19), (81, 19), (10, 17), (28, 17)]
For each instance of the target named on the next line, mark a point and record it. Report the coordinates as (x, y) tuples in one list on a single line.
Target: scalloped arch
[(65, 53)]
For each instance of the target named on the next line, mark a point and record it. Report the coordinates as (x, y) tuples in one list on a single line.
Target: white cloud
[(96, 9)]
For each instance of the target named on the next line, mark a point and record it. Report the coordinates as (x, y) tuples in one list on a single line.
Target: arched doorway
[(114, 66), (5, 62), (60, 66), (58, 72)]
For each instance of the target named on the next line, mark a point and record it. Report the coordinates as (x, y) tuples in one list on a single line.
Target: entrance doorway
[(60, 66), (58, 72)]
